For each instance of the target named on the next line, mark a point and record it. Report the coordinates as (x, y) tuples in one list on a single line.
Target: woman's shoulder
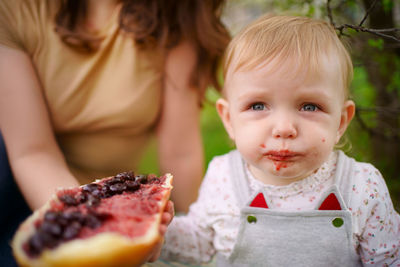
[(26, 9), (23, 21)]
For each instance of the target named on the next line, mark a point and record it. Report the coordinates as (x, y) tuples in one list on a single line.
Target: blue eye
[(309, 107), (257, 106)]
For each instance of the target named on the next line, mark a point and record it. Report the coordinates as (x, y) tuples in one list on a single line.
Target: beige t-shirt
[(103, 105)]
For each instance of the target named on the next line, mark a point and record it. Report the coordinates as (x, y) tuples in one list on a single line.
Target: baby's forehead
[(293, 69), (269, 86), (289, 64)]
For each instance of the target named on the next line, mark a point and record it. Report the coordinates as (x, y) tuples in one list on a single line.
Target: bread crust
[(105, 249)]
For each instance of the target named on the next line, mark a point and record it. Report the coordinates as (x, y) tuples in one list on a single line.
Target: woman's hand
[(166, 219)]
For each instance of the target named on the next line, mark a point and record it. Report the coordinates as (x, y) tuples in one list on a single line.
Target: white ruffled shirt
[(212, 223)]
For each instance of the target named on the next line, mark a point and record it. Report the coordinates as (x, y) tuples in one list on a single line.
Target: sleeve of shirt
[(378, 223), (20, 23), (189, 238)]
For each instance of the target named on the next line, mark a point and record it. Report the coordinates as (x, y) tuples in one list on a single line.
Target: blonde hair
[(302, 40)]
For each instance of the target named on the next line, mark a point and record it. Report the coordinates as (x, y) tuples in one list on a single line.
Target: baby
[(286, 197)]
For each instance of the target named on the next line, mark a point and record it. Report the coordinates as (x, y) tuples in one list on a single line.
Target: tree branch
[(359, 28), (329, 9), (377, 32), (367, 13)]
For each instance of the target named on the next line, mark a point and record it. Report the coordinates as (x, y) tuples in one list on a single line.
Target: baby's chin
[(282, 173), (296, 170)]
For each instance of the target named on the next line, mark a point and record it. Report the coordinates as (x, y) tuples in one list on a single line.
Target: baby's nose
[(284, 129)]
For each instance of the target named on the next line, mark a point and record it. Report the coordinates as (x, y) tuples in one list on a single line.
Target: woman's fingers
[(168, 213), (166, 217)]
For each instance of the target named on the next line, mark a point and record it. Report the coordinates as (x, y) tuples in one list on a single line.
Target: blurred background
[(371, 29)]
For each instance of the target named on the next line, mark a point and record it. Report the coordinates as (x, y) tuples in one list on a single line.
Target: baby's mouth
[(281, 155)]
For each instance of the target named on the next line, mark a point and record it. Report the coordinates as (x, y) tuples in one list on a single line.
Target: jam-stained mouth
[(281, 155)]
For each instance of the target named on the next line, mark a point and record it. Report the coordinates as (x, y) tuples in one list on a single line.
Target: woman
[(86, 83)]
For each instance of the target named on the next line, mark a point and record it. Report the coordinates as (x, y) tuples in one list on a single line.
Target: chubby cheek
[(321, 136), (325, 144), (319, 152), (318, 144), (316, 157), (249, 144)]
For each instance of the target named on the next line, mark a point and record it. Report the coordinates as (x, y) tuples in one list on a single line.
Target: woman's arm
[(179, 136), (35, 158)]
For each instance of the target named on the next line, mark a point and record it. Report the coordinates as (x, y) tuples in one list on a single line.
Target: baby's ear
[(348, 111), (222, 106)]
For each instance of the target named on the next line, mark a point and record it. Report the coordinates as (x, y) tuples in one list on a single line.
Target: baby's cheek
[(319, 155), (249, 140)]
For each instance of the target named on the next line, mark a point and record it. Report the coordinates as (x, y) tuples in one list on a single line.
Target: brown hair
[(159, 23), (301, 40)]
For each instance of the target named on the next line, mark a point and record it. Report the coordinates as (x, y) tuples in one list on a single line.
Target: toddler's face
[(284, 127)]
